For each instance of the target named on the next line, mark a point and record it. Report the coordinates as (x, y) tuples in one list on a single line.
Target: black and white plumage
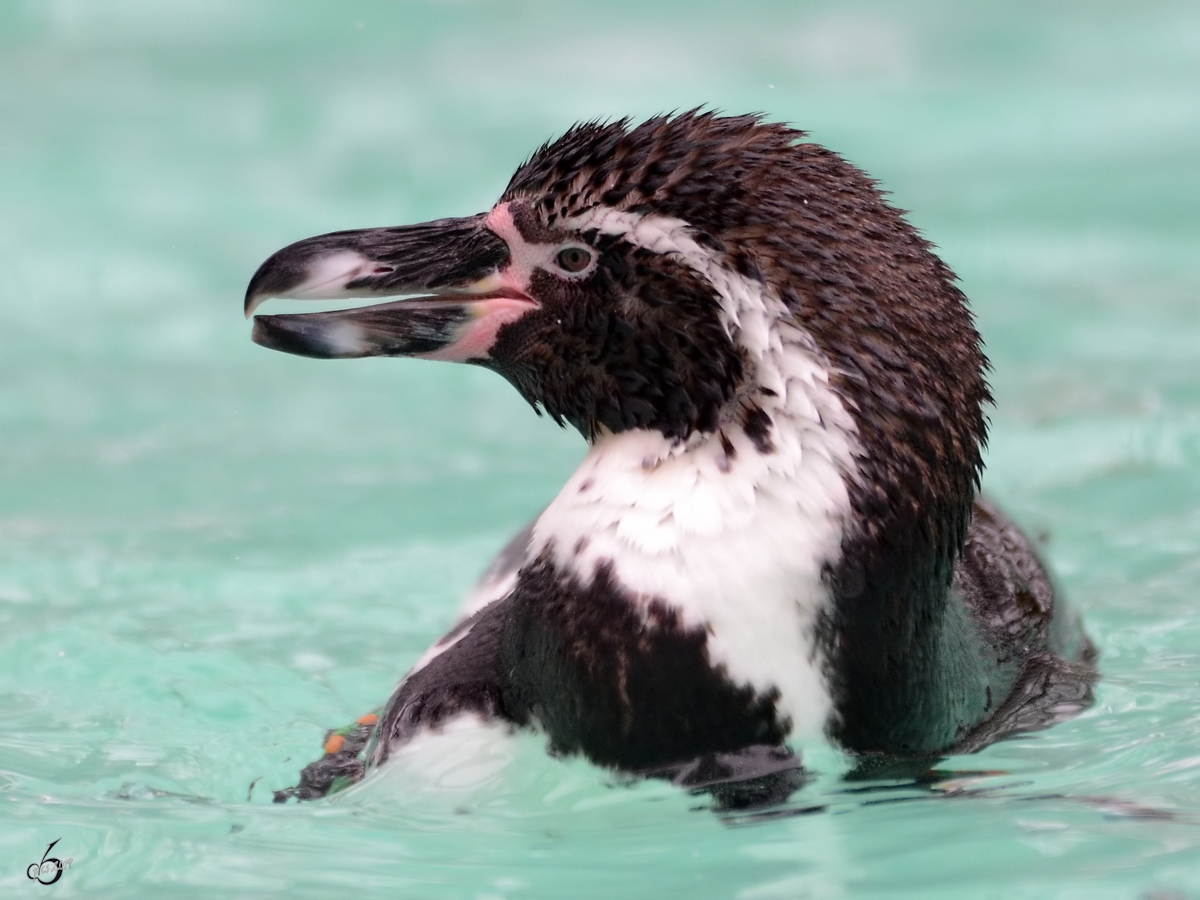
[(775, 536)]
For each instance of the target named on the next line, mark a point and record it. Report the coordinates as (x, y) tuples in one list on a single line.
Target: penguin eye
[(573, 258)]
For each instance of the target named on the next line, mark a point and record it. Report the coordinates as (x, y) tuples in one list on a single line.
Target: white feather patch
[(461, 756), (736, 547)]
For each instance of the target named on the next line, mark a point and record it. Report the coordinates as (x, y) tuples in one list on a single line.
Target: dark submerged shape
[(942, 632)]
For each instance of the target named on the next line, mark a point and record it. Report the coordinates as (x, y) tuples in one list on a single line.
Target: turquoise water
[(210, 553)]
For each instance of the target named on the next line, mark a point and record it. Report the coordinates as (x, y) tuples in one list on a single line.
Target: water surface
[(210, 553)]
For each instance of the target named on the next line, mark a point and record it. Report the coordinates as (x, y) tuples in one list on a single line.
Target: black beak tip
[(274, 278), (259, 289), (288, 335), (265, 332)]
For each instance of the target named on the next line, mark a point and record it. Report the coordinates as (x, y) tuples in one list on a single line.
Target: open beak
[(457, 263)]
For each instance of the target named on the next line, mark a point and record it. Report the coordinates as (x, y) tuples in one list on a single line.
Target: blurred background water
[(210, 553)]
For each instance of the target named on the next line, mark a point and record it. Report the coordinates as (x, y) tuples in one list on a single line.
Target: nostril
[(383, 270)]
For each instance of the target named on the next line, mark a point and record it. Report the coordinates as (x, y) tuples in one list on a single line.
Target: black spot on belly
[(627, 687), (728, 448), (757, 425)]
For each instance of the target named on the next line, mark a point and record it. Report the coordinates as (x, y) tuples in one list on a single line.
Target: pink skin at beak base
[(489, 316), (477, 337)]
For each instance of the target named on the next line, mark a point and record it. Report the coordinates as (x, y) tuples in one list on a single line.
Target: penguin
[(776, 536)]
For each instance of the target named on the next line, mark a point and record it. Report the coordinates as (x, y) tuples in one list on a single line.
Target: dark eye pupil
[(574, 259)]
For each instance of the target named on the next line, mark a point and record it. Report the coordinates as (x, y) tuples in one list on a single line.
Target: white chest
[(734, 543)]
